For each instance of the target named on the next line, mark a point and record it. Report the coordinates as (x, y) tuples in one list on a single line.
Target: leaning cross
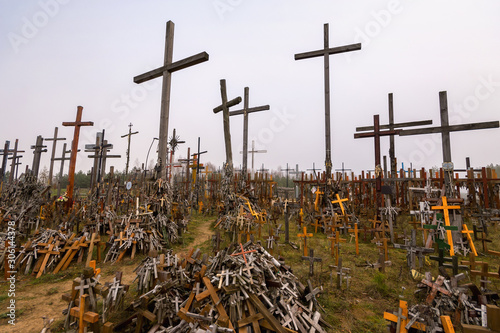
[(325, 52), (166, 72), (446, 209), (52, 159), (74, 149), (224, 107)]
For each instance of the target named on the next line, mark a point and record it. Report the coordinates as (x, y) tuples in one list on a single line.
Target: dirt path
[(36, 301)]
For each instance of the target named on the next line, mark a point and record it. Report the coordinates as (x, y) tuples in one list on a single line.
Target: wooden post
[(52, 159)]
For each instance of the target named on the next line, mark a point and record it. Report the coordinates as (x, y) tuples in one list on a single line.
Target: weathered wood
[(275, 324)]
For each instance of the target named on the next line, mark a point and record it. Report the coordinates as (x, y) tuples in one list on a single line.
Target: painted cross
[(446, 209), (165, 72), (52, 159), (74, 149), (84, 317), (305, 235), (376, 134), (325, 53), (128, 136), (339, 202)]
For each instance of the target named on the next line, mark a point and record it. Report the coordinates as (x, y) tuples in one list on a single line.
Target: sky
[(58, 54)]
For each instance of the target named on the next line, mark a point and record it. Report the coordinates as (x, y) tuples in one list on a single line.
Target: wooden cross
[(38, 150), (166, 72), (356, 237), (63, 158), (311, 260), (245, 111), (253, 152), (128, 135), (74, 149), (84, 317), (485, 274), (197, 157), (401, 319), (392, 126), (14, 163), (316, 224), (446, 209), (52, 159), (325, 53), (305, 235), (225, 117), (445, 130), (5, 152), (48, 253), (339, 202), (376, 134), (435, 287)]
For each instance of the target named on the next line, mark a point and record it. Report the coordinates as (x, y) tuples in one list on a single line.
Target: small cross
[(305, 235)]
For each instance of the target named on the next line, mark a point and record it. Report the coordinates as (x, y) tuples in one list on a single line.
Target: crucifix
[(325, 53), (392, 126), (376, 134), (445, 130), (245, 111), (38, 150), (166, 73), (253, 152), (15, 157), (174, 142), (74, 150), (63, 158), (128, 135), (54, 143)]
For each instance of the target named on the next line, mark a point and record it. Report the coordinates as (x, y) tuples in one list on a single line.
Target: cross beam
[(325, 53), (166, 71)]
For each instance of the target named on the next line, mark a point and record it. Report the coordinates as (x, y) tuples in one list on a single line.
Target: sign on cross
[(325, 53), (166, 71)]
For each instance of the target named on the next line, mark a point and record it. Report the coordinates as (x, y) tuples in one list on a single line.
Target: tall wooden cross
[(54, 143), (392, 126), (165, 72), (15, 157), (325, 53), (5, 152), (245, 111), (74, 150), (128, 135), (63, 158), (224, 107), (102, 155), (445, 130), (197, 156), (376, 134), (37, 154)]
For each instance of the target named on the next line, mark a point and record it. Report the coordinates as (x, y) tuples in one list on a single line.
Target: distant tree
[(43, 176)]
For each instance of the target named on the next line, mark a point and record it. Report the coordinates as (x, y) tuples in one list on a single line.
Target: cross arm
[(80, 123), (250, 110), (129, 134), (232, 102), (173, 67), (453, 128), (54, 139), (371, 134), (398, 125), (333, 50)]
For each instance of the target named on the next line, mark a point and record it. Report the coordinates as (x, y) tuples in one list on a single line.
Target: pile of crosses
[(242, 288), (53, 250), (447, 302)]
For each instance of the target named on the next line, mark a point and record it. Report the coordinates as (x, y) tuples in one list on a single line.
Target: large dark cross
[(15, 157), (54, 143), (376, 134), (74, 150), (129, 135), (445, 130), (245, 111), (325, 53), (5, 152), (37, 154), (392, 126), (63, 158), (166, 72), (224, 107), (101, 154), (94, 148)]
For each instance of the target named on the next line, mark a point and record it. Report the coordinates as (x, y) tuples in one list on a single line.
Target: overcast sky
[(58, 54)]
